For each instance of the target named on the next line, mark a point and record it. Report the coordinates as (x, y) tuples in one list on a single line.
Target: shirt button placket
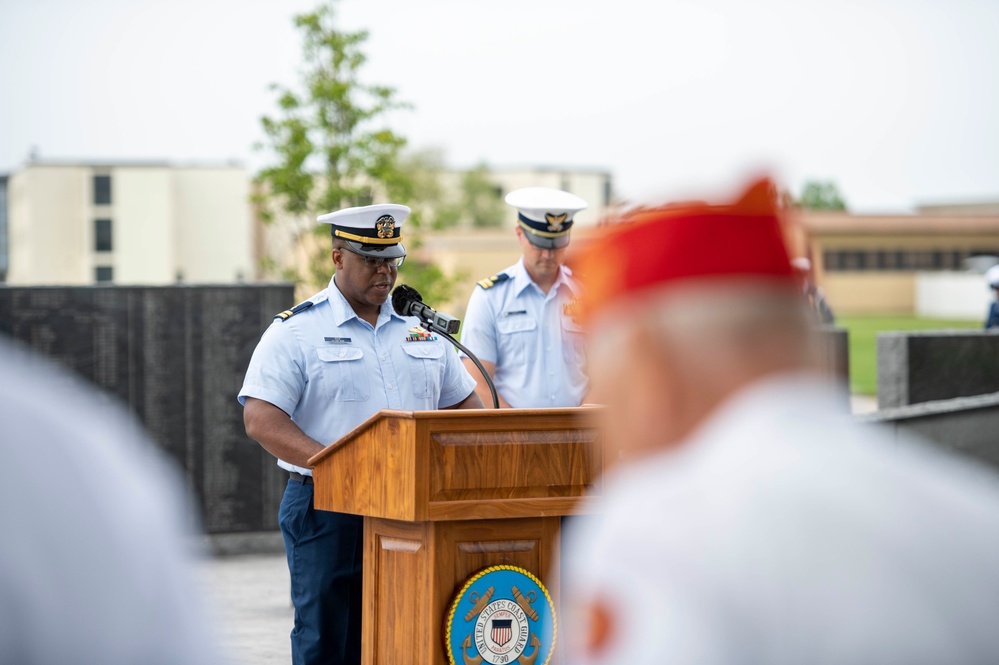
[(392, 395)]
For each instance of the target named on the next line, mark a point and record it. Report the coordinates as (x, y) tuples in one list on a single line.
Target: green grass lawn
[(864, 331)]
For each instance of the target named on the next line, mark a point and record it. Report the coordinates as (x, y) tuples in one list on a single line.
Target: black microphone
[(407, 301)]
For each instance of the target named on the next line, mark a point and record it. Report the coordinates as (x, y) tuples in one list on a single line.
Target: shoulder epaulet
[(300, 307), (490, 282)]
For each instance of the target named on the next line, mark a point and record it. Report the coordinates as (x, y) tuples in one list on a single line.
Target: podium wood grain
[(446, 494)]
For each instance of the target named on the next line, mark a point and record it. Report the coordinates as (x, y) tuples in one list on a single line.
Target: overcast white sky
[(895, 100)]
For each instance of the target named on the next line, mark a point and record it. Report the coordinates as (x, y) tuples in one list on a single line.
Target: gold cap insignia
[(385, 226), (555, 222)]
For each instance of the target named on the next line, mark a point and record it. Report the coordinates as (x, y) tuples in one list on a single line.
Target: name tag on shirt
[(337, 340), (519, 311)]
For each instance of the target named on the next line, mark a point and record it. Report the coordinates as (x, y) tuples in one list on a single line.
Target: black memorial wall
[(176, 357)]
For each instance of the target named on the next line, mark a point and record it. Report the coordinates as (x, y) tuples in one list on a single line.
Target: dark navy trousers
[(324, 557)]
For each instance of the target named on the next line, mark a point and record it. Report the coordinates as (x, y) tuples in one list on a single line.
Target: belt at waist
[(299, 478)]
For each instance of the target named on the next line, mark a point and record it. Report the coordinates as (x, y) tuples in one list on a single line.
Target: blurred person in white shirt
[(745, 518), (96, 558)]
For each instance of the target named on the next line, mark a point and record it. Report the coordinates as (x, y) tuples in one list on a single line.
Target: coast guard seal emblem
[(502, 615)]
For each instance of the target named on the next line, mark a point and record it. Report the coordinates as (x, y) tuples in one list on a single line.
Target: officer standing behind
[(319, 370), (519, 323), (992, 278)]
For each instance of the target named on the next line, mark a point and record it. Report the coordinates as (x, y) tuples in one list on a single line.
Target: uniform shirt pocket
[(515, 336), (426, 366), (342, 372)]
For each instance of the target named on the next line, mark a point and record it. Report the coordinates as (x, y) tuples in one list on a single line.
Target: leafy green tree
[(479, 200), (429, 197), (821, 195), (471, 199), (423, 193), (330, 148)]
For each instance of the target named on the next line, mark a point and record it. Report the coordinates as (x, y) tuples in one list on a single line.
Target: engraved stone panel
[(176, 356), (922, 366)]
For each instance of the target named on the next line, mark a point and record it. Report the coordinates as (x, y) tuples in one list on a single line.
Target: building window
[(830, 260), (891, 260), (102, 190), (882, 260), (854, 260), (103, 274), (102, 235), (608, 192), (924, 260)]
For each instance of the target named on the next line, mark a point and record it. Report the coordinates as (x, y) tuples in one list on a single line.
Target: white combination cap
[(545, 214), (374, 230)]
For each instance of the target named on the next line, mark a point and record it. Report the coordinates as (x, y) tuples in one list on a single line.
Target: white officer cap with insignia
[(992, 277), (374, 230), (545, 214)]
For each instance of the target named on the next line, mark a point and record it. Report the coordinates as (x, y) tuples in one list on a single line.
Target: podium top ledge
[(450, 414)]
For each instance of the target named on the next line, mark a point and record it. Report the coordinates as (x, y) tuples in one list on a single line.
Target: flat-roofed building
[(871, 263), (79, 223), (984, 207)]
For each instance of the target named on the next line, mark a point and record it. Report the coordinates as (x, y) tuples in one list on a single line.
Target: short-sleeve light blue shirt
[(331, 370), (531, 338)]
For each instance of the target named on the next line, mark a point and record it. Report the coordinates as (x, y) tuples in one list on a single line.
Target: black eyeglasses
[(373, 263)]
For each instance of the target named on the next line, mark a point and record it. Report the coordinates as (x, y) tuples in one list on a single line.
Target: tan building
[(127, 223), (870, 263), (960, 208)]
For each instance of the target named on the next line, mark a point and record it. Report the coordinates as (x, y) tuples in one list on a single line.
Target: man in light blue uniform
[(519, 322), (319, 370)]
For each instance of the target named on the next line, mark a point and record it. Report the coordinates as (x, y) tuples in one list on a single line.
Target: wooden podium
[(445, 494)]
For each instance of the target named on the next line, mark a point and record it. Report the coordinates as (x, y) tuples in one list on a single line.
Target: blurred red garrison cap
[(673, 244)]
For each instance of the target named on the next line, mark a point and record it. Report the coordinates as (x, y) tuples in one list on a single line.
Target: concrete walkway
[(252, 603)]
